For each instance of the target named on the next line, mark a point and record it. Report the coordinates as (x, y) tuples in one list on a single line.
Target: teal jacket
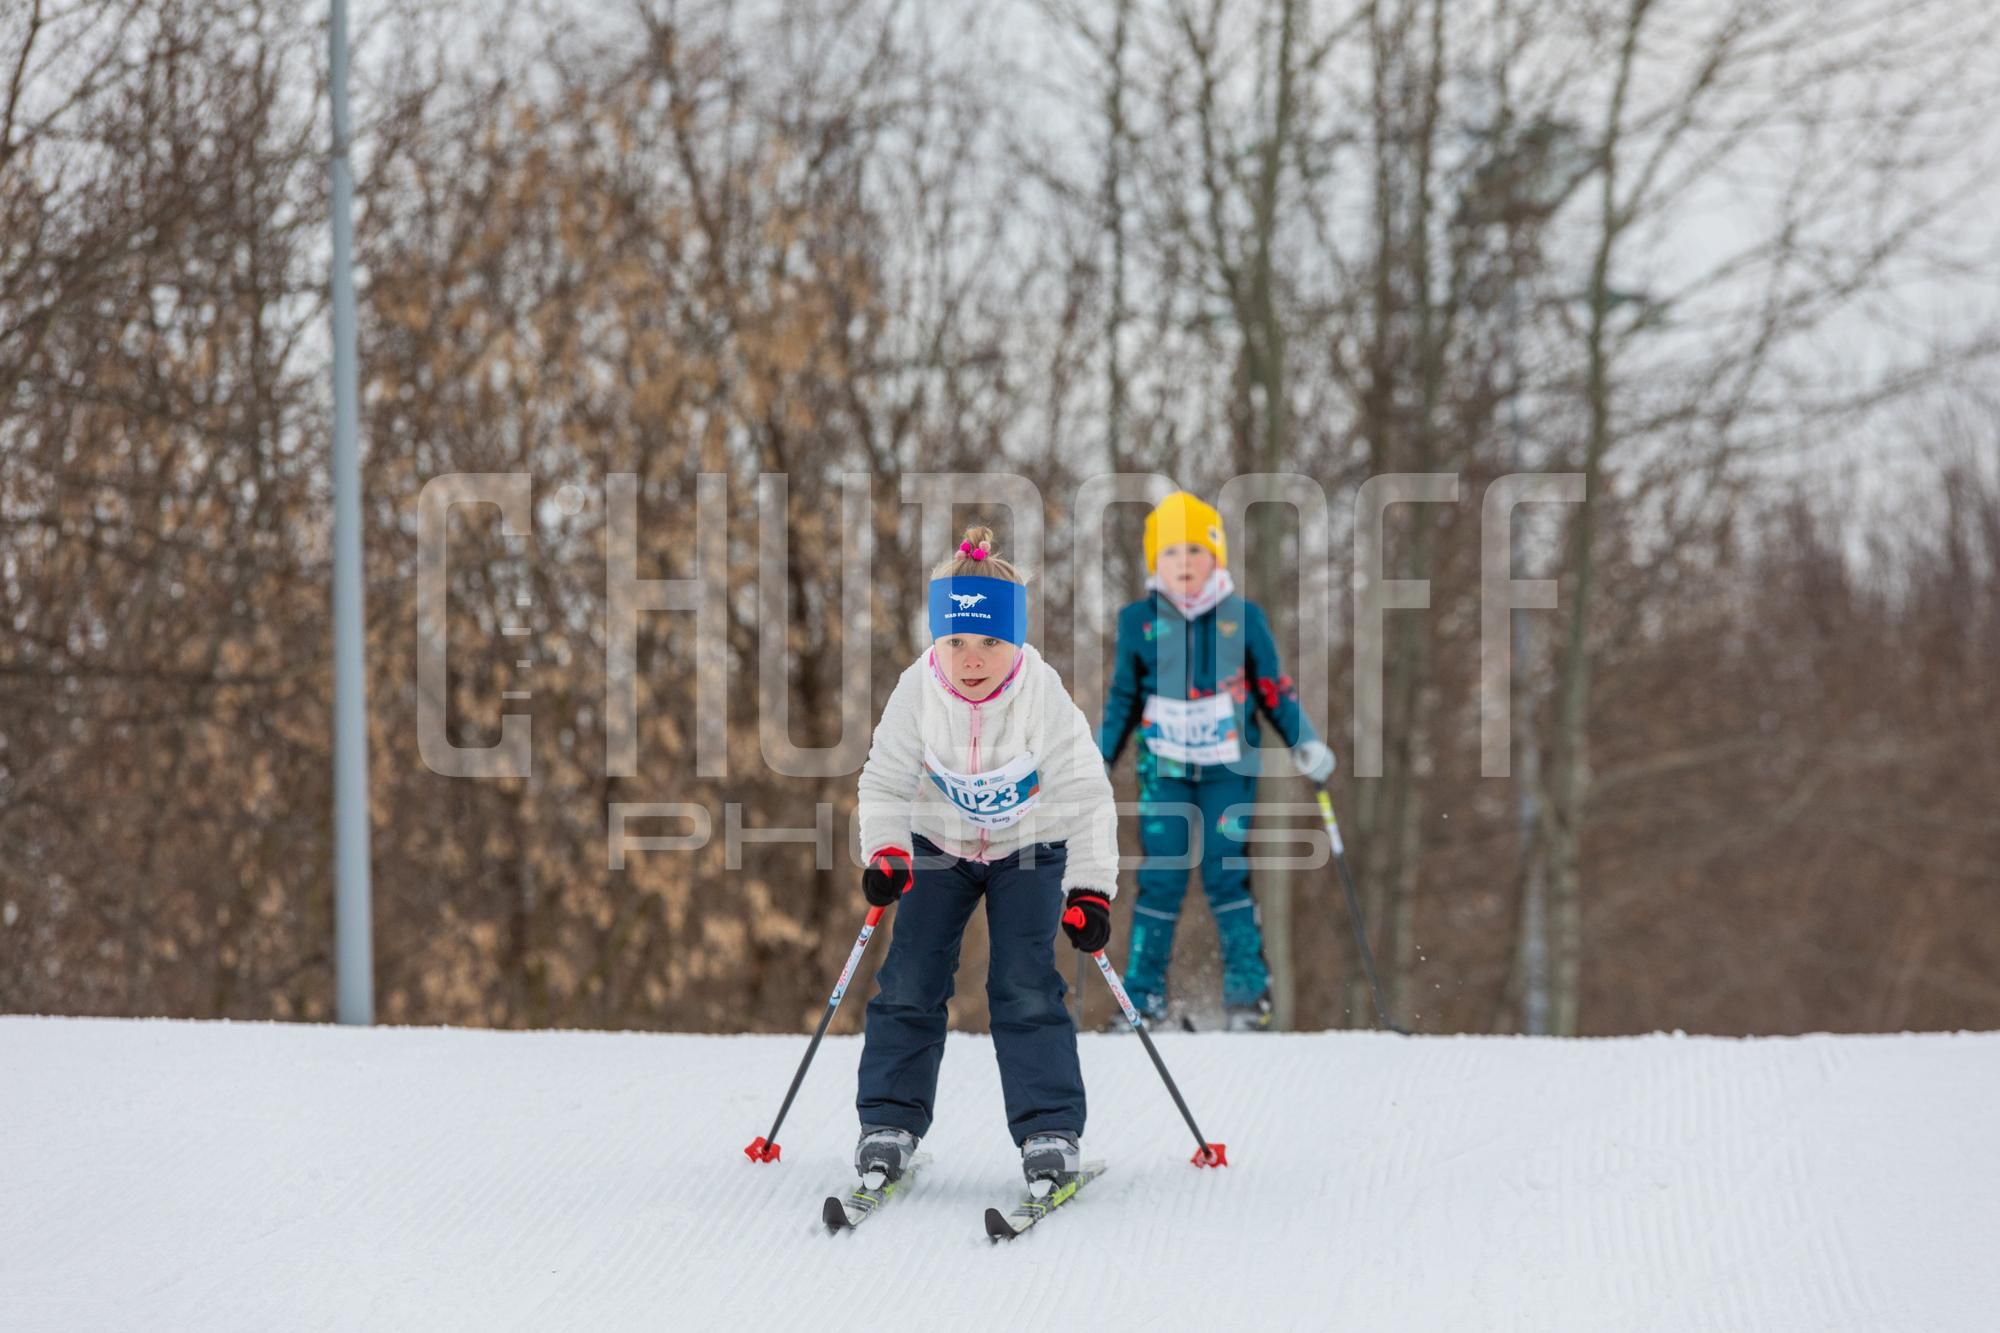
[(1228, 650)]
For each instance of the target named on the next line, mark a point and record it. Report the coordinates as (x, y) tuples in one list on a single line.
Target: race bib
[(994, 799), (1192, 731)]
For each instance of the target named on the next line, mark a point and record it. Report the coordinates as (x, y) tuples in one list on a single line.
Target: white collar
[(1219, 586)]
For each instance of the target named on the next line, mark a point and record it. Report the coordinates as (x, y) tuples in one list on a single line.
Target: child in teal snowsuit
[(1195, 665)]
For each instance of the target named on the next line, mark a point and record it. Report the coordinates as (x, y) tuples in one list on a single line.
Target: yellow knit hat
[(1180, 518)]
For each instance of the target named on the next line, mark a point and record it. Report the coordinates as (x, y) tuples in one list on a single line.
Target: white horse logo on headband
[(967, 600)]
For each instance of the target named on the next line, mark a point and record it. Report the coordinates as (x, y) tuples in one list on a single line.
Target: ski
[(1005, 1226), (843, 1213)]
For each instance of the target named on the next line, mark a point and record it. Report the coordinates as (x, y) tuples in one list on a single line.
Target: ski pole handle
[(765, 1147)]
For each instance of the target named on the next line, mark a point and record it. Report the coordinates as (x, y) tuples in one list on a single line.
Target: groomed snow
[(166, 1176)]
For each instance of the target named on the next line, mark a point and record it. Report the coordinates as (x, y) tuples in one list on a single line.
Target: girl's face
[(975, 664), (1184, 568)]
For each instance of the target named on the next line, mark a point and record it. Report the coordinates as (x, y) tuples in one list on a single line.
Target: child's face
[(1185, 567), (975, 664)]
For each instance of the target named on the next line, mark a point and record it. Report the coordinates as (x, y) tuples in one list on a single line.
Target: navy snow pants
[(1034, 1037)]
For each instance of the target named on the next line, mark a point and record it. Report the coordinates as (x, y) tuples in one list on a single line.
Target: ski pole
[(1354, 913), (765, 1148), (1206, 1153)]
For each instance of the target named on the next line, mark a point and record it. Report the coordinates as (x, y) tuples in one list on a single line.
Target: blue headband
[(977, 604)]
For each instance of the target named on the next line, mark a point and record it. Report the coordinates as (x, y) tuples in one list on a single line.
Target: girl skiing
[(983, 781), (1195, 662)]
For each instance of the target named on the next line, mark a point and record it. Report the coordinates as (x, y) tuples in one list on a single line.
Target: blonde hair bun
[(976, 555)]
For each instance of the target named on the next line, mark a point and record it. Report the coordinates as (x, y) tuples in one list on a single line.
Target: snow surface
[(166, 1176)]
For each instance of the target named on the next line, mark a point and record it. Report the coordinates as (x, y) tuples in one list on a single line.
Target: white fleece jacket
[(1028, 745)]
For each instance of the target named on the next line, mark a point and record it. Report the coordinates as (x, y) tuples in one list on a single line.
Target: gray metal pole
[(354, 967)]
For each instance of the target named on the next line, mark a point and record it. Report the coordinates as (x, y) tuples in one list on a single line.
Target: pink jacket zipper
[(984, 834)]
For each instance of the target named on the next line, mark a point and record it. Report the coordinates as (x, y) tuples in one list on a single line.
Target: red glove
[(887, 877), (1087, 919)]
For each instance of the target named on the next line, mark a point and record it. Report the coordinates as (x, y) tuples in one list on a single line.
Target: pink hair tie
[(979, 555), (965, 548)]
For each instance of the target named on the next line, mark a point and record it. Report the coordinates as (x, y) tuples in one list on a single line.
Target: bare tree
[(1679, 105)]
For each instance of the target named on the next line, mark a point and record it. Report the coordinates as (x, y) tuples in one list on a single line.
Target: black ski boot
[(1049, 1159), (885, 1152)]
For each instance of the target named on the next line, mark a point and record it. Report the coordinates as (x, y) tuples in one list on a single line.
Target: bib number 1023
[(993, 799)]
